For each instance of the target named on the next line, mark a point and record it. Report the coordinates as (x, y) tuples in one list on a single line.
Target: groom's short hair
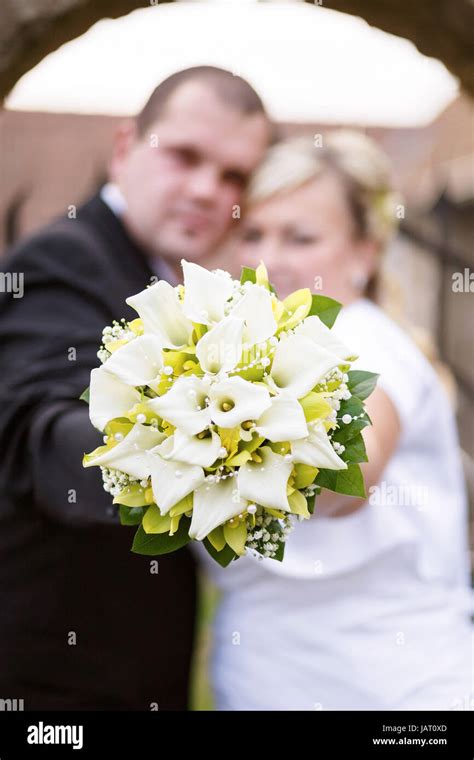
[(228, 87)]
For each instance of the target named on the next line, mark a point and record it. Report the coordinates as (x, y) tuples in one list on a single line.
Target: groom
[(85, 623)]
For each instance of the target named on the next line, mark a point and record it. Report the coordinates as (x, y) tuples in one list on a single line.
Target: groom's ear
[(124, 139)]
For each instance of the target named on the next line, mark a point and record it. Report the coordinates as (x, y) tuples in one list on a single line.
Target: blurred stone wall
[(48, 161)]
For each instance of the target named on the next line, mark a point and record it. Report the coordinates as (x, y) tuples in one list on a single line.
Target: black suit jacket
[(84, 623)]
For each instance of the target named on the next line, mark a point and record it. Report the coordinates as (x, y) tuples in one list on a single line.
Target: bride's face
[(306, 238)]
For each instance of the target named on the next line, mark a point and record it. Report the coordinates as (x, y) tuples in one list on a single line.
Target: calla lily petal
[(299, 364), (205, 293), (194, 450), (180, 405), (214, 504), (246, 401), (316, 450), (137, 362), (284, 420), (255, 307), (265, 483), (317, 331), (130, 455), (220, 349), (162, 314), (171, 480), (109, 398)]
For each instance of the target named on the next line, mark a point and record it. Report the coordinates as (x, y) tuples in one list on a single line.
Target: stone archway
[(31, 30)]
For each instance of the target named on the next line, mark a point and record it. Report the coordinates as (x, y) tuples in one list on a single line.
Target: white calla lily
[(317, 331), (162, 314), (109, 398), (316, 450), (220, 349), (299, 364), (235, 400), (255, 307), (138, 362), (171, 480), (184, 405), (205, 293), (266, 482), (130, 455), (284, 420), (194, 450), (213, 505)]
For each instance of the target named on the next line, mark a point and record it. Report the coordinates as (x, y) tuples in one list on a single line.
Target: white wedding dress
[(368, 611)]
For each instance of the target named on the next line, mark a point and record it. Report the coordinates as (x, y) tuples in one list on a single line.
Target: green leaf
[(161, 543), (325, 308), (280, 552), (349, 482), (85, 396), (355, 407), (223, 557), (355, 450), (248, 275), (360, 383), (310, 501), (272, 289), (131, 515), (348, 432)]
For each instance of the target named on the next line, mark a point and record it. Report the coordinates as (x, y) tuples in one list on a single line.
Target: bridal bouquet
[(224, 411)]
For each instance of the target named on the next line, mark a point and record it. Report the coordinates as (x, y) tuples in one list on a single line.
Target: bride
[(369, 609)]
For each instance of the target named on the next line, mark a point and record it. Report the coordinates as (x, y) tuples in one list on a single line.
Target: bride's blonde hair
[(364, 171)]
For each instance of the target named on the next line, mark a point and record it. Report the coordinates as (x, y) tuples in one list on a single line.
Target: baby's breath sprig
[(268, 534), (118, 330)]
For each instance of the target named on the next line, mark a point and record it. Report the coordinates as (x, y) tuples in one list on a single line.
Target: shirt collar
[(113, 197)]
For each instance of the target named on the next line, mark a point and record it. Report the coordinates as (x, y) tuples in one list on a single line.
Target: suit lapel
[(129, 265)]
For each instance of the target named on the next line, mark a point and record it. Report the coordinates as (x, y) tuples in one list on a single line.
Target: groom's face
[(183, 178)]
